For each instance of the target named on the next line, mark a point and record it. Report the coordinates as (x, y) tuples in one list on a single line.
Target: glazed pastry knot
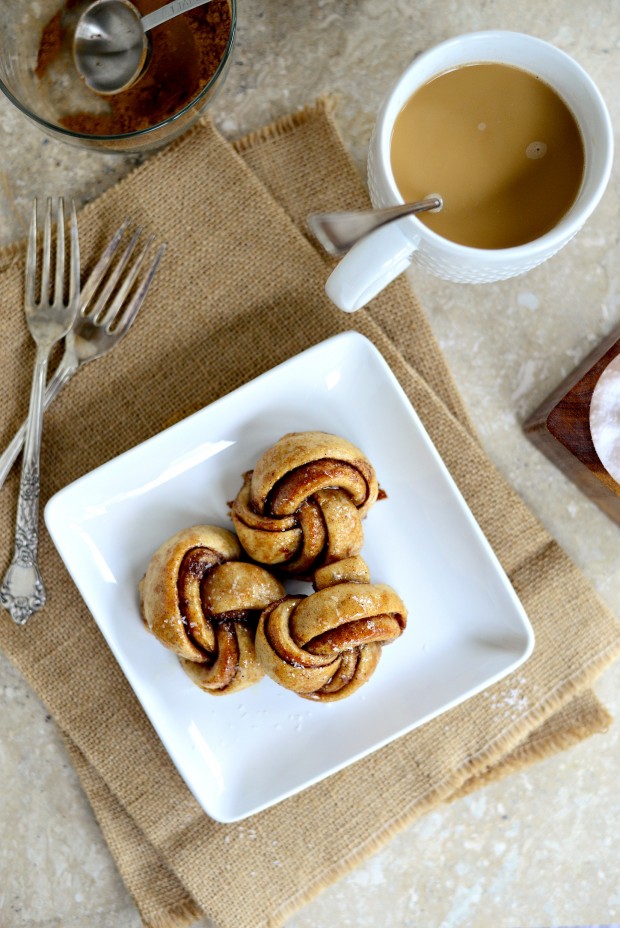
[(303, 504), (326, 645), (203, 603)]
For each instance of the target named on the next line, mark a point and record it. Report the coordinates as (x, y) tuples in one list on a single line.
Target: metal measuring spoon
[(338, 232), (110, 45)]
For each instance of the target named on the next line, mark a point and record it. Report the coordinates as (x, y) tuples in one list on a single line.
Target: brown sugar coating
[(327, 645), (302, 505), (203, 603)]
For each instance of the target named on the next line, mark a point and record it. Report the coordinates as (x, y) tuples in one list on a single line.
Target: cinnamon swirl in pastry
[(302, 506), (326, 645), (201, 601)]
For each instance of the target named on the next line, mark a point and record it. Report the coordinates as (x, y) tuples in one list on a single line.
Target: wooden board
[(560, 428)]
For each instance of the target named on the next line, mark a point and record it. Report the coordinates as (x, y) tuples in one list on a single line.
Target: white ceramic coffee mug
[(375, 261)]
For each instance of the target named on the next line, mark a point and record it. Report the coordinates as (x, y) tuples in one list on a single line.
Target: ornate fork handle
[(63, 373), (49, 318), (22, 592)]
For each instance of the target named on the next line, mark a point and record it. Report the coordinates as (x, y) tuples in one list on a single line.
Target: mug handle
[(369, 266)]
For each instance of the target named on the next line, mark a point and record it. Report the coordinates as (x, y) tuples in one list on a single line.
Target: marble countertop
[(540, 848)]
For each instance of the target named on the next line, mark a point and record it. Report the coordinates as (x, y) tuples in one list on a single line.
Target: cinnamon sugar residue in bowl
[(185, 54)]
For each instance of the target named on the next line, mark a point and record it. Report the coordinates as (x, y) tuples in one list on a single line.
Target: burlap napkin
[(240, 290)]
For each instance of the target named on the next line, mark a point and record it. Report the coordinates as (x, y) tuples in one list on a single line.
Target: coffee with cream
[(500, 147)]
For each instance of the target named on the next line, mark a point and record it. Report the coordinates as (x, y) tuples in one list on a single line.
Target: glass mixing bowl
[(38, 76)]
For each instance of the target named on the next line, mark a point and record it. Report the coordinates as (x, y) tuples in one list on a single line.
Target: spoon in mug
[(338, 232), (110, 46)]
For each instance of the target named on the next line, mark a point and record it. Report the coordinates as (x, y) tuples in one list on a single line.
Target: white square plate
[(242, 753)]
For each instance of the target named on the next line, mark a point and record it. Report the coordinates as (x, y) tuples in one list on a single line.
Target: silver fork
[(22, 591), (109, 303)]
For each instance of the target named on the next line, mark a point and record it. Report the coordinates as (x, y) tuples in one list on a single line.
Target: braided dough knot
[(203, 603), (326, 645), (303, 504)]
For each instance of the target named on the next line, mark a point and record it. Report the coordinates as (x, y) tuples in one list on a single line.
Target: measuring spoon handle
[(169, 11)]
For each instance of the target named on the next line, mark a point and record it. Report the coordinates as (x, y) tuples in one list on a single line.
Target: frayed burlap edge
[(181, 916), (285, 124), (544, 742)]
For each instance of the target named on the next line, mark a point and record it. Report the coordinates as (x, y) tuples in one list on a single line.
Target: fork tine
[(74, 259), (131, 311), (99, 270), (127, 281), (31, 256), (47, 251), (114, 278), (59, 280)]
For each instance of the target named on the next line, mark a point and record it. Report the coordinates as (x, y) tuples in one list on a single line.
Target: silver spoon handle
[(337, 232), (62, 374), (169, 11)]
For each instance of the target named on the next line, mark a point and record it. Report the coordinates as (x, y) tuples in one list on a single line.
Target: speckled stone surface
[(542, 847)]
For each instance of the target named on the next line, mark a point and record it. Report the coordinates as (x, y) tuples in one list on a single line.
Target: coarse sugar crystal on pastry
[(202, 602), (327, 645), (303, 503)]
